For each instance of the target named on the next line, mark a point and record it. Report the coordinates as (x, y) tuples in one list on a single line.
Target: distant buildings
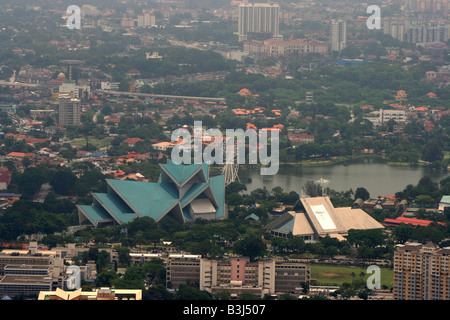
[(258, 18), (300, 137), (29, 271), (396, 115), (444, 204), (427, 33), (428, 6), (346, 62), (421, 272), (440, 78), (419, 31), (314, 218), (146, 20), (338, 35), (5, 178), (184, 192), (395, 27), (277, 48), (69, 111), (237, 274)]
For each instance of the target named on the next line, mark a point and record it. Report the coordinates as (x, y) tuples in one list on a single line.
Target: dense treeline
[(371, 83)]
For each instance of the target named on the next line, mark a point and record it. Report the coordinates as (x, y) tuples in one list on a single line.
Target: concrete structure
[(420, 34), (428, 6), (338, 35), (444, 204), (146, 20), (29, 271), (182, 268), (278, 48), (314, 218), (396, 115), (396, 27), (421, 272), (258, 18), (237, 274), (69, 111)]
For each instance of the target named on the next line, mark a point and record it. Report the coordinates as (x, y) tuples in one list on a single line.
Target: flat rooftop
[(20, 279)]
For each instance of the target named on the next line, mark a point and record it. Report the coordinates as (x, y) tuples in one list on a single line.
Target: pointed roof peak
[(182, 173)]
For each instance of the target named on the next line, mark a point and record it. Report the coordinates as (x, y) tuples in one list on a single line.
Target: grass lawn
[(82, 142), (337, 275)]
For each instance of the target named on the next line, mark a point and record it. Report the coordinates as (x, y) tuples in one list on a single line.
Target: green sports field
[(337, 275)]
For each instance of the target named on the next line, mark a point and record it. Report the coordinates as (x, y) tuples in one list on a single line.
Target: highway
[(153, 95), (120, 93), (18, 84)]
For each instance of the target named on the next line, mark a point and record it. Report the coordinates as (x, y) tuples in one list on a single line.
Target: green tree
[(432, 151), (106, 278), (362, 193), (186, 292), (251, 246)]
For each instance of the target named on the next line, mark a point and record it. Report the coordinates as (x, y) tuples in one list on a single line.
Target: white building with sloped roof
[(316, 217)]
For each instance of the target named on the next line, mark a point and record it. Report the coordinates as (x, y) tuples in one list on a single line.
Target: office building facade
[(259, 18), (338, 35), (237, 274), (69, 111)]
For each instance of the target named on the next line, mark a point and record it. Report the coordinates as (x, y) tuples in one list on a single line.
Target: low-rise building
[(314, 218), (396, 115), (98, 294)]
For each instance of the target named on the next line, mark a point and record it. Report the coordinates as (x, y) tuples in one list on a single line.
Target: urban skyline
[(136, 164)]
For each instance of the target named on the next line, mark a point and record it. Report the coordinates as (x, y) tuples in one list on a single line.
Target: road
[(162, 96)]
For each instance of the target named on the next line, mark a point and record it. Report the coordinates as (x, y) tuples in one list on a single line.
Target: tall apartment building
[(428, 6), (421, 272), (428, 33), (258, 18), (146, 20), (395, 27), (69, 111), (338, 35)]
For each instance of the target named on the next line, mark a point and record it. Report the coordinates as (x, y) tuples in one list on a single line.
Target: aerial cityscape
[(224, 150)]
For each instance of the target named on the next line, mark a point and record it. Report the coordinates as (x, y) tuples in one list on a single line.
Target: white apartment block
[(258, 17), (338, 35), (396, 115)]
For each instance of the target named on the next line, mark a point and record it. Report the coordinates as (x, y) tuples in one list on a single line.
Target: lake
[(376, 176)]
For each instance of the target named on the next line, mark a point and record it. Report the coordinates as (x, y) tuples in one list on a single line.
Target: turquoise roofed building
[(183, 192)]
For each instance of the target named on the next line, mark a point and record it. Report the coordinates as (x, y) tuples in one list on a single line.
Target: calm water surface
[(378, 178)]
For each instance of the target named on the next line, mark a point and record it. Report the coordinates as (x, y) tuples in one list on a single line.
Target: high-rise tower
[(338, 35), (258, 18)]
